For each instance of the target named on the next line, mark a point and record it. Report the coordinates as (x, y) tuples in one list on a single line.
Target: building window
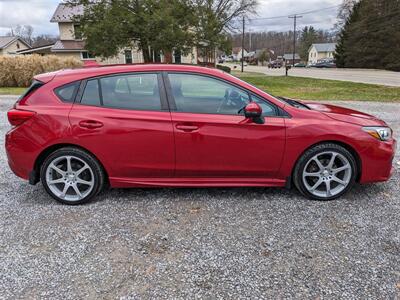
[(87, 55), (77, 32), (128, 57), (177, 57)]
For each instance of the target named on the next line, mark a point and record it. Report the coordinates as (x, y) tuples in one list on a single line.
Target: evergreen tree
[(308, 37), (371, 36)]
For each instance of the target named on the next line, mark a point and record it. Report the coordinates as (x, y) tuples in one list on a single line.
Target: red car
[(78, 131)]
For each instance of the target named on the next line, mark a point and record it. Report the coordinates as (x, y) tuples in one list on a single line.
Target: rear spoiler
[(46, 77)]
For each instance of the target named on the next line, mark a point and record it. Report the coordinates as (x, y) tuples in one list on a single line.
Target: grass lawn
[(11, 90), (320, 89)]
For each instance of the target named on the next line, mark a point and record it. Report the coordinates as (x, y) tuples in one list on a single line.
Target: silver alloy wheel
[(327, 174), (69, 178)]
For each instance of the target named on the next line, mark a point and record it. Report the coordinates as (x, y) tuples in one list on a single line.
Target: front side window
[(131, 91), (201, 94)]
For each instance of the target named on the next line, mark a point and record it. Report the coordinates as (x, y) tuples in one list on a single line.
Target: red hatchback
[(186, 126)]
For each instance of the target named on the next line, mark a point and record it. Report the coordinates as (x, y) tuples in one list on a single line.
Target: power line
[(302, 13)]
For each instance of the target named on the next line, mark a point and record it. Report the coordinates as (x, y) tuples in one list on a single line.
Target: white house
[(321, 51), (237, 53)]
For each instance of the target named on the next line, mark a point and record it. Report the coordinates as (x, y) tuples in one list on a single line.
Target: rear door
[(214, 139), (125, 121)]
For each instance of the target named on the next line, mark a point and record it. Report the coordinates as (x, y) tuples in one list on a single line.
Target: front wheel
[(72, 176), (325, 172)]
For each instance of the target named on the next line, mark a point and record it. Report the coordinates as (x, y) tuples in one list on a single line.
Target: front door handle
[(90, 124), (187, 128)]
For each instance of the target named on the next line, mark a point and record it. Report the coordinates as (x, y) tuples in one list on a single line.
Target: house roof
[(327, 47), (288, 56), (7, 40), (61, 46), (36, 49), (65, 13)]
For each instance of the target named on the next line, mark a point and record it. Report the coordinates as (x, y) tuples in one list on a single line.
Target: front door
[(124, 120), (213, 139)]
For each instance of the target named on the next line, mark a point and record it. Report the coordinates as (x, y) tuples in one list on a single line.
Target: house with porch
[(318, 52)]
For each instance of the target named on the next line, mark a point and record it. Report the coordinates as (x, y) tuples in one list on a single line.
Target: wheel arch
[(340, 143), (34, 177)]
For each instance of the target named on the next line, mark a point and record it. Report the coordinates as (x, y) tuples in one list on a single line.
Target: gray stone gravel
[(201, 243)]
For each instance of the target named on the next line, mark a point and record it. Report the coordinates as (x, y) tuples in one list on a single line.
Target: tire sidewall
[(87, 158), (302, 162)]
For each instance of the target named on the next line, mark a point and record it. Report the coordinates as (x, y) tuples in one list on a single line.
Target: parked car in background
[(275, 64), (78, 131), (300, 65), (328, 63)]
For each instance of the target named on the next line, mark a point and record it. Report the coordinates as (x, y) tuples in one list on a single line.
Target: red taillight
[(17, 117)]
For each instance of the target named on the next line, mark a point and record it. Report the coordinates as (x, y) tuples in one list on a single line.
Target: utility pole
[(243, 46), (294, 17)]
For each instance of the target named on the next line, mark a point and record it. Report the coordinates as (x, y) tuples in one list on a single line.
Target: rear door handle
[(90, 124), (187, 128)]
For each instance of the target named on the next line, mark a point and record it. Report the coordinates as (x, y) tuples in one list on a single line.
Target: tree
[(344, 13), (153, 25), (308, 37), (25, 32), (43, 40), (264, 57), (158, 25), (370, 37)]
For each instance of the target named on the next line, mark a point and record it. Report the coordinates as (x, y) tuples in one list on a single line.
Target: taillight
[(16, 116)]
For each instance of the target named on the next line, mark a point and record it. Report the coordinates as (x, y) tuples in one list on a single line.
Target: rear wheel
[(72, 176), (325, 172)]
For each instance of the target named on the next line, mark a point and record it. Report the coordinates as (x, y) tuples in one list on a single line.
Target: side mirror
[(254, 111)]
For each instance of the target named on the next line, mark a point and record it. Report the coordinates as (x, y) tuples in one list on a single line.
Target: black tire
[(308, 155), (96, 168)]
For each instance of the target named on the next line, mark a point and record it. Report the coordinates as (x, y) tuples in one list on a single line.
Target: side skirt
[(195, 182)]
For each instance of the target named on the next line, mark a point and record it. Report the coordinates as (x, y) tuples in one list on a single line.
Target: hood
[(346, 115)]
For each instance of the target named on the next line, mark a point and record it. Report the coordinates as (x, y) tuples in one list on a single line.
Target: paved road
[(355, 75), (201, 243)]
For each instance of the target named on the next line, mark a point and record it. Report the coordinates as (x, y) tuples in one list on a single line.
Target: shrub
[(224, 68), (18, 71)]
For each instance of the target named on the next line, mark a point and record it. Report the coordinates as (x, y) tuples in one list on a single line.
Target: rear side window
[(34, 86), (91, 95), (131, 91), (67, 92), (128, 91)]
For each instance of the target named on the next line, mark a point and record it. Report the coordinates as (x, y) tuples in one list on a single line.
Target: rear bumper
[(19, 159), (377, 162)]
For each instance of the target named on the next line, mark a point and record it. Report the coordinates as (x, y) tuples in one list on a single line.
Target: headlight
[(380, 133)]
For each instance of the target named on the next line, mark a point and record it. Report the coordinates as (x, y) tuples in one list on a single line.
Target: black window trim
[(280, 113), (160, 82)]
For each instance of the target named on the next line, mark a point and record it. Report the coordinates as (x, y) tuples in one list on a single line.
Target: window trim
[(163, 97), (171, 100)]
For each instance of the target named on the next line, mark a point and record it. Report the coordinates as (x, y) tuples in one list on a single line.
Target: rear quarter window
[(67, 93)]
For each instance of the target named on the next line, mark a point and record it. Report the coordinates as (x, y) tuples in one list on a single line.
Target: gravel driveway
[(201, 243)]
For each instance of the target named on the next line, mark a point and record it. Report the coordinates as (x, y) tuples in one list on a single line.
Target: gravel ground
[(201, 243)]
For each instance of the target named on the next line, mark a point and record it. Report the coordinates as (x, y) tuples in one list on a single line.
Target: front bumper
[(377, 161)]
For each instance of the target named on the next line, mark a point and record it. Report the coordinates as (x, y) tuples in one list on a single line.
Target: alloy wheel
[(70, 178), (327, 174)]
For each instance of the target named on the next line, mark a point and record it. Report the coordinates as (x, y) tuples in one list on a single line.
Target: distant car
[(324, 64), (78, 131), (300, 65), (276, 64), (221, 61)]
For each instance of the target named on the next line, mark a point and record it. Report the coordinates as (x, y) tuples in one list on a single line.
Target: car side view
[(78, 131)]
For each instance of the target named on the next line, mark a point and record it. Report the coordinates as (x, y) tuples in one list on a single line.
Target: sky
[(39, 12)]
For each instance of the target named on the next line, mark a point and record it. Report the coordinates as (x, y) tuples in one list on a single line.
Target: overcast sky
[(38, 13)]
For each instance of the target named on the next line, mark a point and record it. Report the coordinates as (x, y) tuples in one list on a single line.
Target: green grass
[(320, 89), (11, 90)]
